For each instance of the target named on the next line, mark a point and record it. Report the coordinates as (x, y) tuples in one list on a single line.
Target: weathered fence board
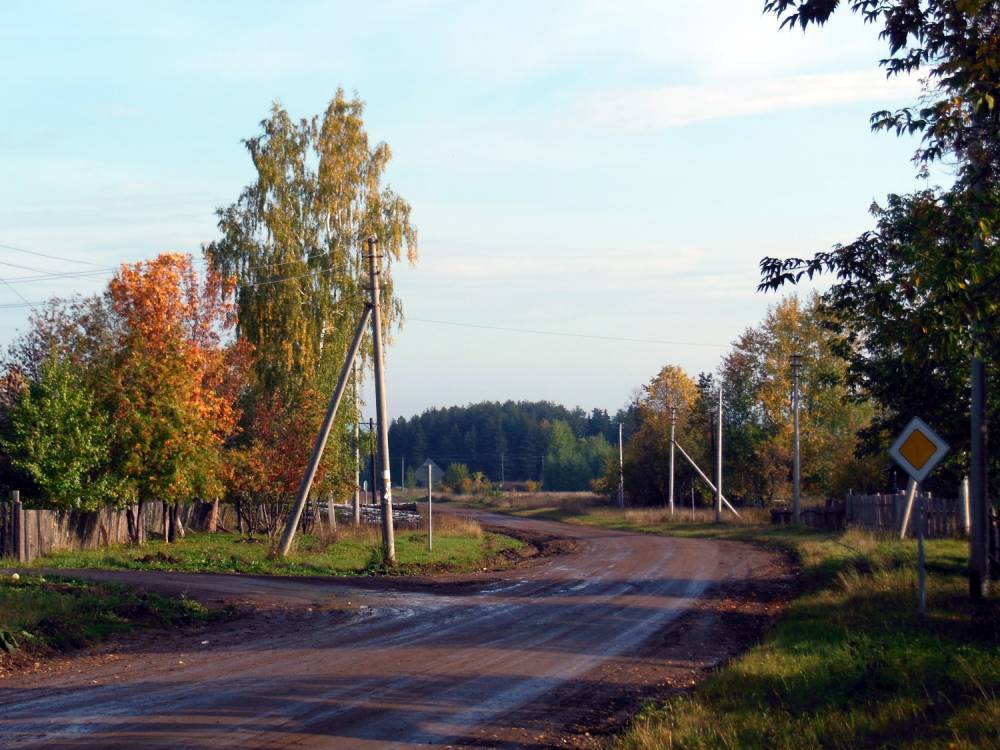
[(27, 534), (885, 513)]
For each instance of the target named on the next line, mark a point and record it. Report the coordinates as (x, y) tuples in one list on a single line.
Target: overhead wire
[(507, 329)]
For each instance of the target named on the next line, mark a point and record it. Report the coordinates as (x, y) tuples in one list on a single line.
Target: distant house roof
[(421, 475)]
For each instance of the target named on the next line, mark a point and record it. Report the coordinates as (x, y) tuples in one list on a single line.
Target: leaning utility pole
[(357, 450), (796, 465), (317, 453), (673, 426), (718, 462), (621, 469), (381, 410)]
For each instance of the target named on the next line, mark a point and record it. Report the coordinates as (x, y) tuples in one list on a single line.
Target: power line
[(563, 334), (14, 289), (47, 255)]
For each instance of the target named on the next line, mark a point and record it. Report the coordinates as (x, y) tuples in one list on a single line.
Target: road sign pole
[(918, 449), (921, 561), (911, 493)]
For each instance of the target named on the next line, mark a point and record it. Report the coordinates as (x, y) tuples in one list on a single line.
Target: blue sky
[(607, 168)]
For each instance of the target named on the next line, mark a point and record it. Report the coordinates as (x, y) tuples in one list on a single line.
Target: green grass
[(850, 664), (458, 547), (63, 614)]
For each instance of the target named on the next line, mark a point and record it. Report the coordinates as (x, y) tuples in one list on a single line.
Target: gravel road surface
[(555, 653)]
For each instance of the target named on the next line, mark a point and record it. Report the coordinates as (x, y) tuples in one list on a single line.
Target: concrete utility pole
[(979, 537), (718, 462), (357, 450), (796, 465), (430, 510), (371, 461), (621, 469), (979, 575), (324, 432), (673, 429), (381, 409)]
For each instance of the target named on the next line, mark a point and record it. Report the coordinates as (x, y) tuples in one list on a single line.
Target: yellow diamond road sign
[(918, 449)]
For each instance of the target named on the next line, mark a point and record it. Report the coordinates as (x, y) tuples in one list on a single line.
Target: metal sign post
[(918, 449)]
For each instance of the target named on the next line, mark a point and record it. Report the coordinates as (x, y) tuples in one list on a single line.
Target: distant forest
[(512, 441)]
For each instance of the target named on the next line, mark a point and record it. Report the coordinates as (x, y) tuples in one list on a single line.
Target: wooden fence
[(946, 517), (27, 534)]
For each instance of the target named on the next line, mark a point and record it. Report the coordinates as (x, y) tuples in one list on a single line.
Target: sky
[(613, 170)]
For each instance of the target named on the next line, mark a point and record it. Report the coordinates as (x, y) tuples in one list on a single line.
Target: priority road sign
[(918, 449)]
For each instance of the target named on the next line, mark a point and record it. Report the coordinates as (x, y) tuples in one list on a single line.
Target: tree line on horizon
[(541, 442)]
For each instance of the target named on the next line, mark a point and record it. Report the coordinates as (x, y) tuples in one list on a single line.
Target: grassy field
[(850, 664), (460, 545), (62, 614)]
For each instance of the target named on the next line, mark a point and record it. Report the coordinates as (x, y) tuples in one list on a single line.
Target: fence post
[(19, 530)]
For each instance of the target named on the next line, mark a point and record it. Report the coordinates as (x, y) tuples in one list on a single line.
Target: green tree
[(61, 438), (956, 44), (647, 452), (293, 241), (456, 477), (917, 297)]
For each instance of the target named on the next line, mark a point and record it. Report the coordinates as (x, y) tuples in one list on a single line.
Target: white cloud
[(677, 106)]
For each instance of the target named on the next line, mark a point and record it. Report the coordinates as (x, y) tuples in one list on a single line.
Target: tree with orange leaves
[(172, 390)]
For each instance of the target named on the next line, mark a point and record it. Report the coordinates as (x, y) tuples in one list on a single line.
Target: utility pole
[(430, 510), (357, 450), (501, 471), (796, 465), (381, 409), (673, 426), (402, 472), (979, 574), (718, 461), (621, 469), (371, 461), (979, 537)]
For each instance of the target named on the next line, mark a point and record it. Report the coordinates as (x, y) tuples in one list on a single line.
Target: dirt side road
[(551, 655)]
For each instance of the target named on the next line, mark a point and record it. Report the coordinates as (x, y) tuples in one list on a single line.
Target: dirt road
[(550, 655)]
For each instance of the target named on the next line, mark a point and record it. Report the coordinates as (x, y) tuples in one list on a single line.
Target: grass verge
[(460, 546), (850, 664), (40, 615)]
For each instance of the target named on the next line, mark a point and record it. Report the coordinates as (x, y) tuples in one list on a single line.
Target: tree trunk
[(213, 518), (178, 523), (166, 521), (136, 523), (133, 525)]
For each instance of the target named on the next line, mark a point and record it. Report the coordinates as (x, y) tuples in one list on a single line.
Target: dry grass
[(531, 503), (445, 524), (449, 524), (683, 516)]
